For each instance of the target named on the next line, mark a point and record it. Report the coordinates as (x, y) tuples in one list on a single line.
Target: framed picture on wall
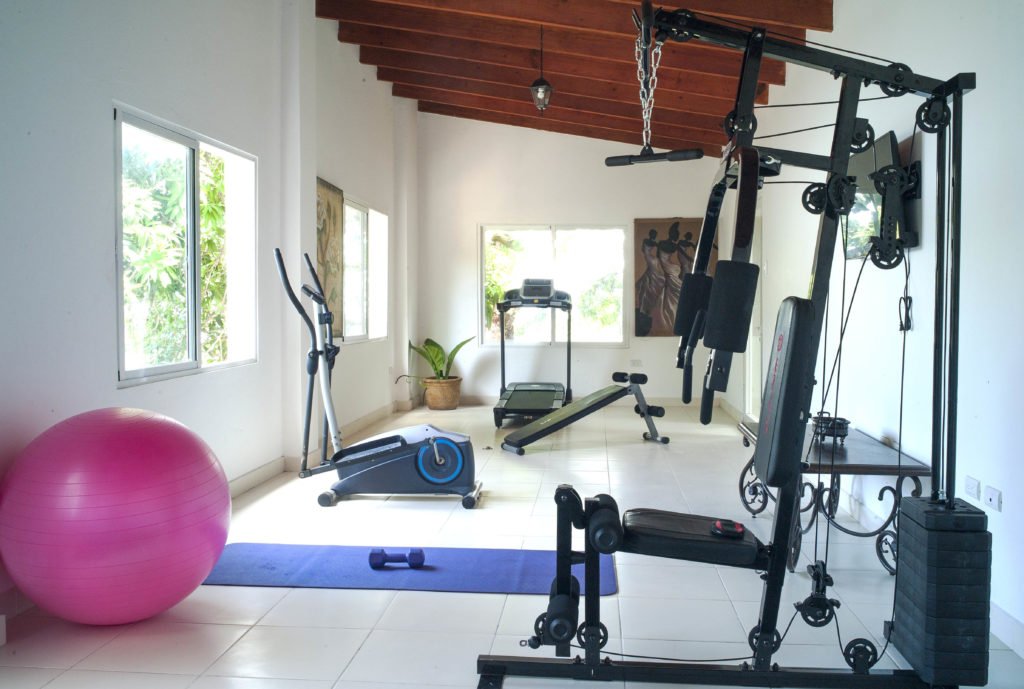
[(330, 213), (663, 251)]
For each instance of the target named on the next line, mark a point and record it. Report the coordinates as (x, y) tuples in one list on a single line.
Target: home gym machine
[(585, 406), (532, 400), (417, 460), (940, 619)]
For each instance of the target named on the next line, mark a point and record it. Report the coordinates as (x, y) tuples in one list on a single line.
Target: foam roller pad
[(730, 306)]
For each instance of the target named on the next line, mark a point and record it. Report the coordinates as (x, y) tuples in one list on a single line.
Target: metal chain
[(647, 95)]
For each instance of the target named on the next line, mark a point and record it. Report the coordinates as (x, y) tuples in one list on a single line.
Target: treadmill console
[(534, 288), (538, 293)]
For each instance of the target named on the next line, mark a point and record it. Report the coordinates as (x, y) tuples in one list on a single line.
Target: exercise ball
[(113, 516)]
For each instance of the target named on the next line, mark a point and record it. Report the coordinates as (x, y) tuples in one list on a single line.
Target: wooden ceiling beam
[(798, 14), (631, 125), (610, 16), (692, 56), (544, 124), (597, 106), (618, 91), (554, 64)]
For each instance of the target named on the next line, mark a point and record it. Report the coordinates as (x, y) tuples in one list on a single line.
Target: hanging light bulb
[(541, 89)]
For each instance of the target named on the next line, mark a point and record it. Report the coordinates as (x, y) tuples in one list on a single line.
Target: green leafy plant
[(440, 363), (155, 264)]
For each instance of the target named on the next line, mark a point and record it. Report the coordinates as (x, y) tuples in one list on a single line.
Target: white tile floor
[(253, 638)]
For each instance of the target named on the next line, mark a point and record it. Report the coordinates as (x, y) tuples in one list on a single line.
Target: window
[(186, 250), (587, 263), (364, 275)]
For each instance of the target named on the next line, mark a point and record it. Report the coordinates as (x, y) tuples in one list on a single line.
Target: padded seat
[(688, 537)]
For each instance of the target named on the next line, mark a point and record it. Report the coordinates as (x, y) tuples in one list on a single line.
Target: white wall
[(947, 39), (355, 124), (214, 68), (473, 173)]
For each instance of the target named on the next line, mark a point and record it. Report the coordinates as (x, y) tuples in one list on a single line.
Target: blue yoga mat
[(469, 570)]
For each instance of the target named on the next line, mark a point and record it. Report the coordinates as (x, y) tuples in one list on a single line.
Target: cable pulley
[(599, 629), (814, 198), (933, 115), (755, 633), (861, 655), (842, 192), (863, 137), (899, 76), (742, 123)]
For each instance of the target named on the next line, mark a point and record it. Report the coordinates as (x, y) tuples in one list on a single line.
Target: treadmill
[(533, 400)]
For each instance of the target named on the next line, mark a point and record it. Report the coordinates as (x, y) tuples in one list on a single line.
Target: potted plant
[(442, 390)]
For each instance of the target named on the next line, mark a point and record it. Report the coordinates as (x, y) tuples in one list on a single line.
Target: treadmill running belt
[(525, 400)]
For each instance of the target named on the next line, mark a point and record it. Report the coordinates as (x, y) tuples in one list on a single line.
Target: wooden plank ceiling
[(476, 59)]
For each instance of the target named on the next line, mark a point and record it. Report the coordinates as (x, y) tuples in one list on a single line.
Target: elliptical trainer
[(416, 460)]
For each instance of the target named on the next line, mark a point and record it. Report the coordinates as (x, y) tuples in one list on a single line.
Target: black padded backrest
[(730, 306), (787, 394)]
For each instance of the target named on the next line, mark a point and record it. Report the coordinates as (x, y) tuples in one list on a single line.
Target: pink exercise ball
[(113, 516)]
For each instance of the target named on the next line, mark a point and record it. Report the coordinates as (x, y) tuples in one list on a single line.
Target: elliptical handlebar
[(319, 359), (291, 293), (316, 279), (317, 297)]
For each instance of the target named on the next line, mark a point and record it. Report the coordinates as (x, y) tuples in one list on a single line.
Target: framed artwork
[(330, 213), (663, 251)]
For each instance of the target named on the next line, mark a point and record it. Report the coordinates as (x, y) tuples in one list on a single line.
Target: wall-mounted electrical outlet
[(972, 487), (994, 498)]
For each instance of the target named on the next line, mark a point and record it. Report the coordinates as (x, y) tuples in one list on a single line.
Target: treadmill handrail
[(557, 299)]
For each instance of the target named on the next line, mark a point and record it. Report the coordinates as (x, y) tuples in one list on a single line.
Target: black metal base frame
[(494, 669)]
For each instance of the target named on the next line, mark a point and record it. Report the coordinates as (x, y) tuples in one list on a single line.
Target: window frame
[(551, 229), (368, 268), (125, 114), (364, 209)]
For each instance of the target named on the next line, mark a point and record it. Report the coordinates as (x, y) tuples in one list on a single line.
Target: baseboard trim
[(1008, 629), (259, 475)]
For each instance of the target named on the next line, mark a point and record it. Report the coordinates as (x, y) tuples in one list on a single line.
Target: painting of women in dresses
[(663, 253), (330, 205)]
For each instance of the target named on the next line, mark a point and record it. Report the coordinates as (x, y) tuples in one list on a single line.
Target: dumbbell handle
[(379, 557)]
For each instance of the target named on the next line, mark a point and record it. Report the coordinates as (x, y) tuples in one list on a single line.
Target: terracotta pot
[(442, 393)]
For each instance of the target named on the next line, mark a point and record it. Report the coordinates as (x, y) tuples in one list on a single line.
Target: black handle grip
[(291, 295), (696, 330), (707, 403), (618, 161), (313, 294), (671, 156)]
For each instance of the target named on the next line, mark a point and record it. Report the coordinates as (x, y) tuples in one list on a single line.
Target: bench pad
[(687, 537)]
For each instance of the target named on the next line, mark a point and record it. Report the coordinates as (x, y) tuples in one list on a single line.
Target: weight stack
[(943, 588)]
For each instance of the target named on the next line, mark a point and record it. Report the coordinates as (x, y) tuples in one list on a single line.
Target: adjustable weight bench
[(659, 533), (517, 440)]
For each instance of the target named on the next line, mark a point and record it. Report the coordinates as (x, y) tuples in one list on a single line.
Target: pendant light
[(541, 89)]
